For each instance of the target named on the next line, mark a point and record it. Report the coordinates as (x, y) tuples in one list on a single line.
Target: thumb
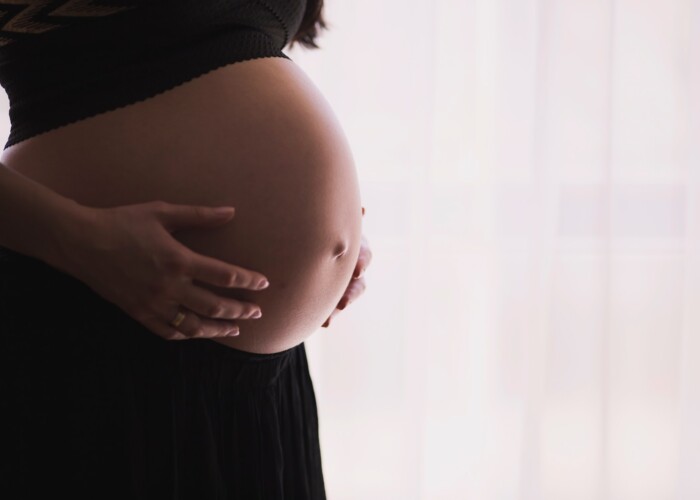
[(181, 216)]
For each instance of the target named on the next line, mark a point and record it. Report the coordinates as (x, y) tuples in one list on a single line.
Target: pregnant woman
[(141, 353)]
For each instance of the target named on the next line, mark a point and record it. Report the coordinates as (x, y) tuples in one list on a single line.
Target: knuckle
[(198, 332), (174, 261), (233, 278), (158, 287), (174, 335), (201, 212), (158, 206), (216, 310)]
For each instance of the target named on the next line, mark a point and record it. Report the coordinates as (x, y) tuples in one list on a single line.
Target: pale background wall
[(531, 326)]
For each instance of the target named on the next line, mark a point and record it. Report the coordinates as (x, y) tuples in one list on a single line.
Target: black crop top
[(65, 60)]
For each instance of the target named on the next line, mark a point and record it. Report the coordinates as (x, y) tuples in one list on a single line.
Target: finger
[(220, 273), (173, 334), (358, 272), (211, 305), (170, 333), (180, 216), (363, 261), (166, 331), (195, 326), (354, 290), (333, 315), (211, 328), (359, 268)]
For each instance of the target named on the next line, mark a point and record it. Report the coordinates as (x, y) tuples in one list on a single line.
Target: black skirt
[(94, 405)]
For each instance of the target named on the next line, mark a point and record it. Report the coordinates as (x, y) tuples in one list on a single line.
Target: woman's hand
[(357, 282), (127, 255)]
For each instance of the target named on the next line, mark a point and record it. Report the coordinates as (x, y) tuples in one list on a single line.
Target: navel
[(340, 249)]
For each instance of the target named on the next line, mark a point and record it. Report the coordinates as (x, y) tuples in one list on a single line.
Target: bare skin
[(256, 135), (357, 285)]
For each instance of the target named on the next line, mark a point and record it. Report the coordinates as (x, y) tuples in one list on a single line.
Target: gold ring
[(178, 319)]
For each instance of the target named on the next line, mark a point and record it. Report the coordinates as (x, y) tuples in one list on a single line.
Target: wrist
[(69, 231)]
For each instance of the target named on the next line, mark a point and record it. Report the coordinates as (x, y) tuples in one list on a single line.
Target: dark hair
[(310, 26)]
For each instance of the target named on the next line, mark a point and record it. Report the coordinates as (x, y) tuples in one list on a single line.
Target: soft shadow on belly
[(255, 135), (306, 282)]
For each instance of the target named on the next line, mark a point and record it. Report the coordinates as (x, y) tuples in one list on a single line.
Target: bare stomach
[(256, 135)]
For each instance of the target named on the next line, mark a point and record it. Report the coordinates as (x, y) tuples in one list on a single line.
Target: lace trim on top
[(20, 19)]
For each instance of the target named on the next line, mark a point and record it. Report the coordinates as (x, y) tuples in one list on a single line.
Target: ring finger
[(194, 326)]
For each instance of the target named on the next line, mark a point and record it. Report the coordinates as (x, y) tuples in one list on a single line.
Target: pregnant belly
[(256, 135)]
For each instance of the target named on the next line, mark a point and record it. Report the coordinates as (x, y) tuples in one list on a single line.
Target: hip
[(90, 398)]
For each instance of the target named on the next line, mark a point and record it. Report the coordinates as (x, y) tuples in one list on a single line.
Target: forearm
[(36, 221)]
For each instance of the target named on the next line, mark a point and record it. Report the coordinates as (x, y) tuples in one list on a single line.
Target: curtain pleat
[(529, 170)]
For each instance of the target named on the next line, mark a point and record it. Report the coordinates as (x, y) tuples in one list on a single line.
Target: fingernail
[(342, 305), (256, 314), (263, 284), (233, 333)]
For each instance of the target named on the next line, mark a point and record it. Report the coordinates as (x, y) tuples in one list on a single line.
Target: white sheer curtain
[(531, 326)]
